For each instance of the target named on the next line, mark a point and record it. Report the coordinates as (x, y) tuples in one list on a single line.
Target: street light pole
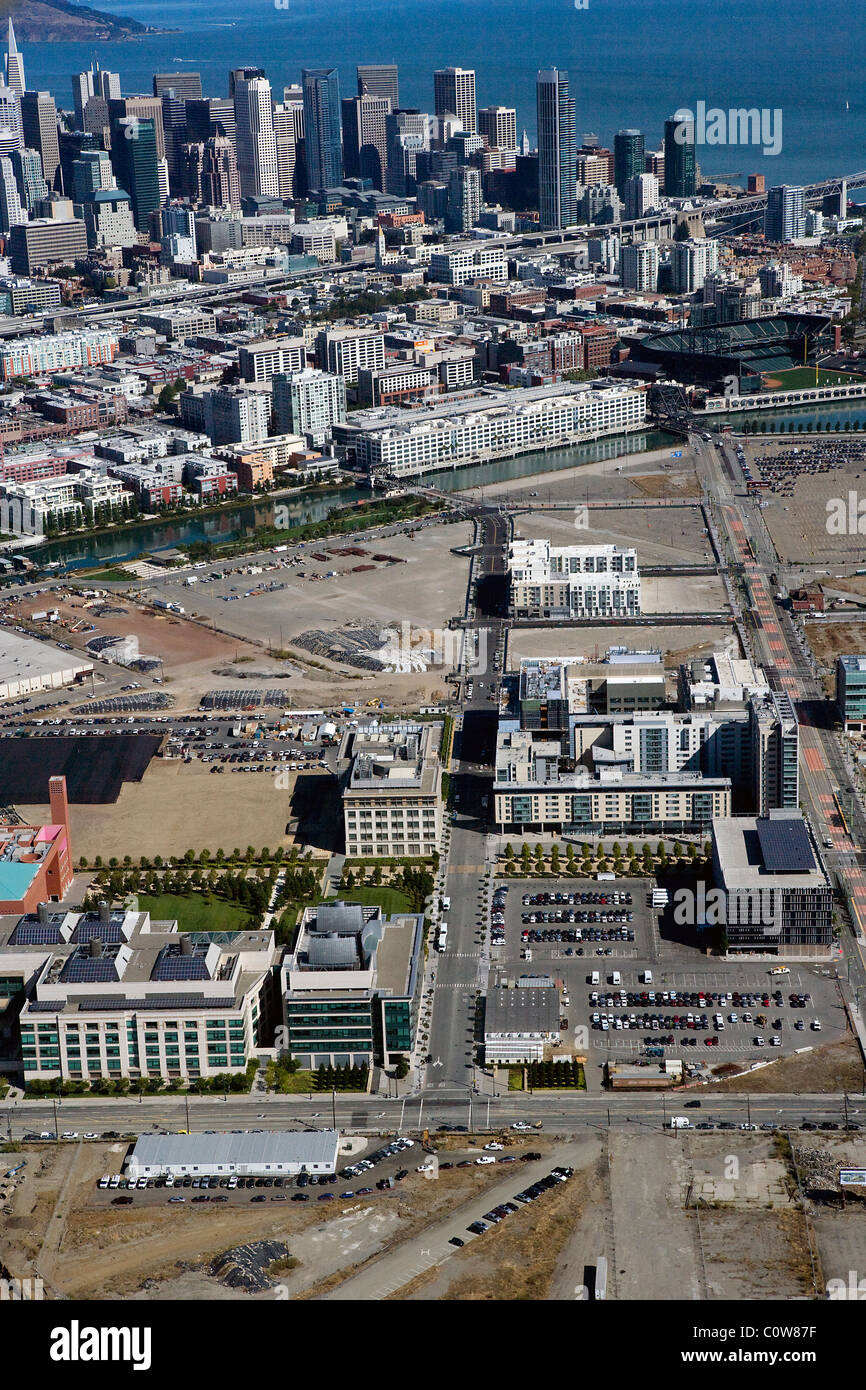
[(334, 1106)]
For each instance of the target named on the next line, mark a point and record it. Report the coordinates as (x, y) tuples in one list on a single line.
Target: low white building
[(519, 1023), (273, 1153)]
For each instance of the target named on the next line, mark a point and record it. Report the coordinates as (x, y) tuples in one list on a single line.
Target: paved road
[(446, 1104)]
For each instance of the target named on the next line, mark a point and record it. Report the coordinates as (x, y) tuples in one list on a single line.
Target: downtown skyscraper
[(557, 180), (322, 143), (255, 139), (454, 94), (680, 159)]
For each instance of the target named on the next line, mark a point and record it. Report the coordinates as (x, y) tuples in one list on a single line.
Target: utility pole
[(186, 1101), (334, 1106)]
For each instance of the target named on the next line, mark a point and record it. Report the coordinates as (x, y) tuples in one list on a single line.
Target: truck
[(442, 938), (680, 1122)]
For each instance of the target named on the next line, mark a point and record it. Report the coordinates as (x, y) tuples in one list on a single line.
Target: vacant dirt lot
[(827, 640), (179, 806), (836, 1068), (676, 644)]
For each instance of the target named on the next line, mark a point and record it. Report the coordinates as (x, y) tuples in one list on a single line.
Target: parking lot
[(366, 1175), (627, 994)]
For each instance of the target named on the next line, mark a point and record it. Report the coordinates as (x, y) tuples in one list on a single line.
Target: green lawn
[(391, 900), (110, 576), (197, 912), (799, 377), (291, 1083)]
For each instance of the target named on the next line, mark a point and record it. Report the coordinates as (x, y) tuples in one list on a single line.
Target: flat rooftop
[(522, 1011), (271, 1146), (760, 852), (25, 658)]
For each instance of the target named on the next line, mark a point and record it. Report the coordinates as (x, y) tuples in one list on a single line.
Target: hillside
[(59, 21)]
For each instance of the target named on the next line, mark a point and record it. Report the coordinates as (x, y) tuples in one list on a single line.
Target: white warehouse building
[(273, 1153)]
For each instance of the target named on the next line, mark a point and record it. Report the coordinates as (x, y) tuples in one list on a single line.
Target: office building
[(628, 158), (185, 85), (557, 183), (14, 65), (289, 133), (27, 168), (255, 139), (36, 861), (779, 902), (211, 116), (91, 173), (365, 138), (454, 94), (109, 219), (342, 351), (680, 175), (641, 196), (408, 137), (498, 126), (785, 218), (639, 266), (392, 794), (143, 108), (98, 85), (45, 242), (379, 80), (19, 295), (460, 265), (211, 173), (135, 161), (464, 199), (692, 262), (11, 136), (309, 403), (39, 129), (322, 143), (491, 425), (112, 994), (574, 581), (851, 691), (11, 211), (351, 986)]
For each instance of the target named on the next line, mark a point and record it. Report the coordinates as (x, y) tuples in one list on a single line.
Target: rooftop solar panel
[(785, 846), (109, 933), (36, 934), (154, 1001)]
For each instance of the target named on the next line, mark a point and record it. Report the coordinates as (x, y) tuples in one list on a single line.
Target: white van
[(647, 977), (446, 904), (595, 978), (616, 978)]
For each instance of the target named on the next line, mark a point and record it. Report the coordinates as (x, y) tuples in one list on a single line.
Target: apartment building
[(534, 788), (263, 360), (574, 581), (491, 424), (37, 356), (345, 351)]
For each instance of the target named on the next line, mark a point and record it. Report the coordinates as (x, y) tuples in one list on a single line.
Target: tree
[(402, 1068)]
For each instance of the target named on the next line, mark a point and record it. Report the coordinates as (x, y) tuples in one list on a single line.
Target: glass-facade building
[(322, 127)]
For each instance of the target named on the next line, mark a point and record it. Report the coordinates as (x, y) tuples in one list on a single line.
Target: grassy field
[(798, 377), (114, 575), (391, 900), (197, 912)]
